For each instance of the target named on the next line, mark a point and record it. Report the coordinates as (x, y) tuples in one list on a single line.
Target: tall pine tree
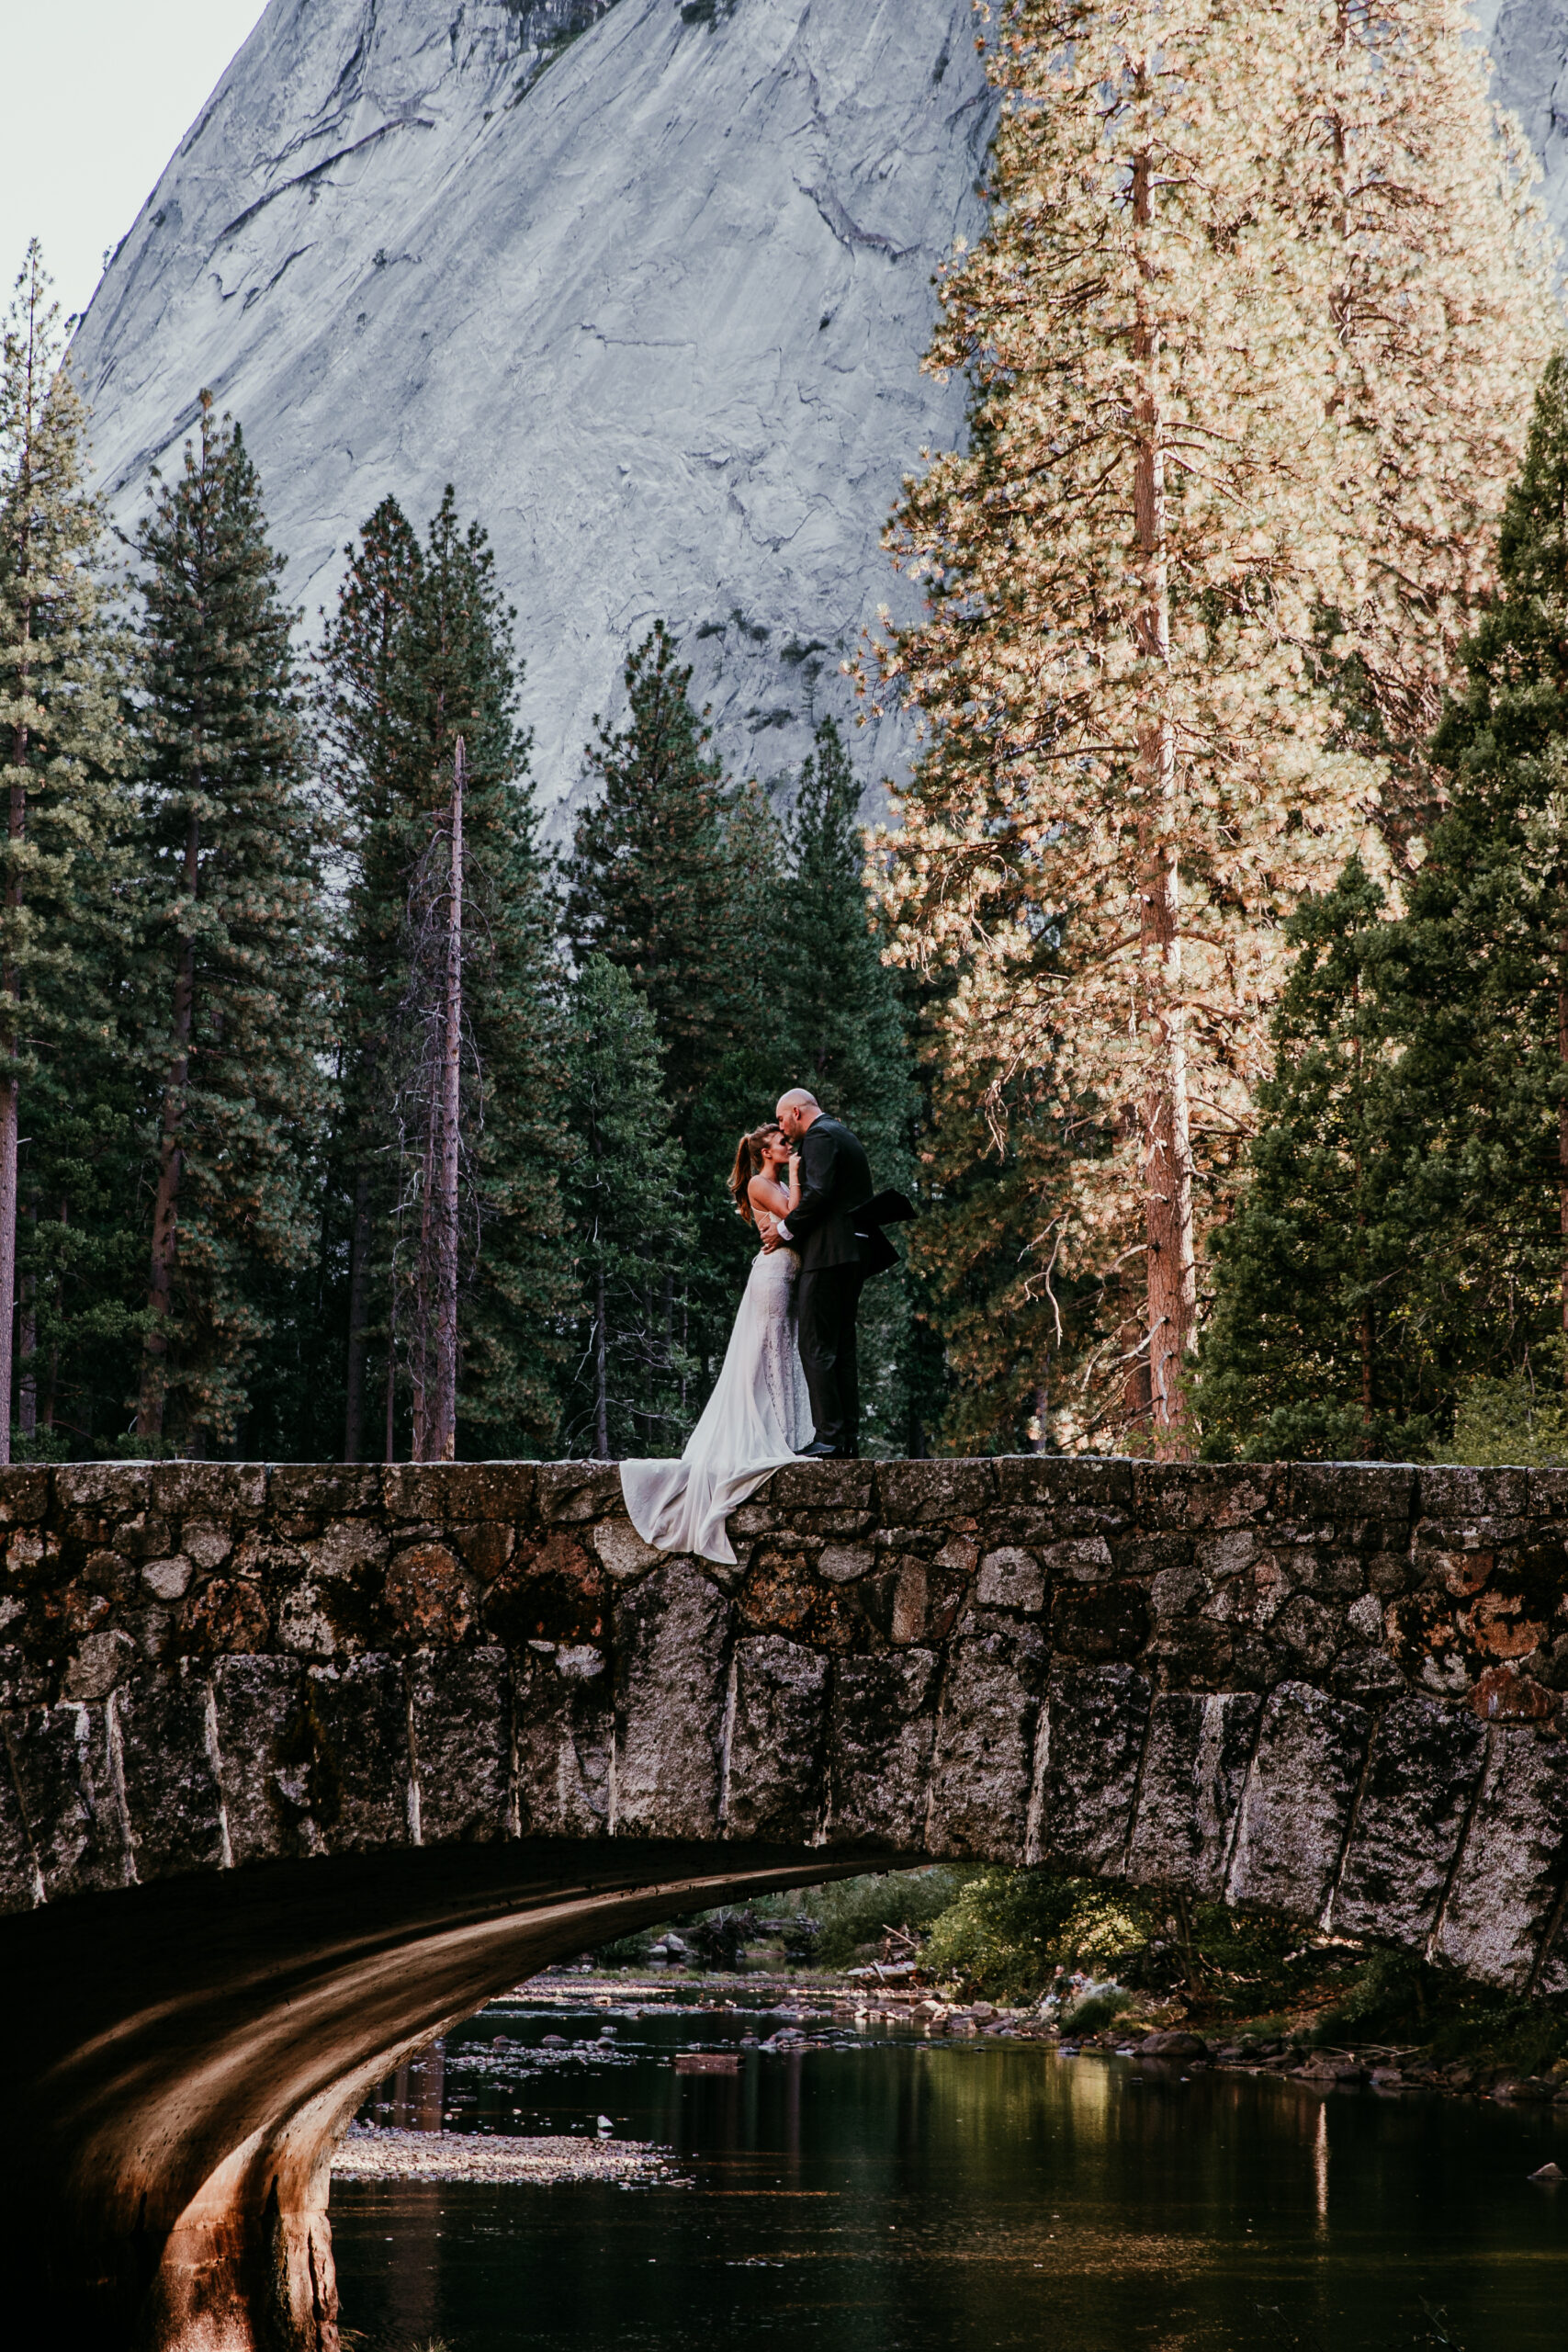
[(421, 652), (233, 971), (1405, 1231), (632, 1233), (650, 881), (63, 750), (846, 1036)]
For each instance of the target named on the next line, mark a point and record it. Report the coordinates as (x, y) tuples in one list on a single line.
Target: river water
[(894, 2194)]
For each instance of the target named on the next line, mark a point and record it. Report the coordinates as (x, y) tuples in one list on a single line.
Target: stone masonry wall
[(1336, 1691)]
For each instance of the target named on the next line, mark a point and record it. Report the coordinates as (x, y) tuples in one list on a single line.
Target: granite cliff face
[(647, 280)]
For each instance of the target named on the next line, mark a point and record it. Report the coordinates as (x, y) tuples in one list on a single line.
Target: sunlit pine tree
[(1444, 311), (1132, 774)]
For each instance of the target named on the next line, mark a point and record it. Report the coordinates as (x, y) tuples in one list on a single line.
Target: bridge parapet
[(1330, 1688)]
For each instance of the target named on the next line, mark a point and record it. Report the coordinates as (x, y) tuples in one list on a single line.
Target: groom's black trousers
[(830, 1301)]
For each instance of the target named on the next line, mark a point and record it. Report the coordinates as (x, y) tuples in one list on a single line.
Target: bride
[(759, 1416)]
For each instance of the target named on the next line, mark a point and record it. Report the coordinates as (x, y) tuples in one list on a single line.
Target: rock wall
[(1333, 1689), (649, 283)]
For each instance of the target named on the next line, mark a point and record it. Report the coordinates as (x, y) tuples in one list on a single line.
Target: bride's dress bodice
[(758, 1418)]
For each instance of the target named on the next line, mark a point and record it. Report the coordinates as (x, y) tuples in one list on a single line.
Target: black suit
[(835, 1178)]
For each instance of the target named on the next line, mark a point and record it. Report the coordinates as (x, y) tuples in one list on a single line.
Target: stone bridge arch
[(303, 1763)]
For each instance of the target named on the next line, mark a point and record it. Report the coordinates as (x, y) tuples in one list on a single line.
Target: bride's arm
[(769, 1202), (792, 1201)]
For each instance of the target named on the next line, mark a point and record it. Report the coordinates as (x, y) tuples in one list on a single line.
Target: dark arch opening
[(191, 2050)]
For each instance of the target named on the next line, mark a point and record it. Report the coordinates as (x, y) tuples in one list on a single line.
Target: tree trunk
[(440, 1405), (27, 1343), (1166, 1141), (1562, 1122), (358, 1305), (10, 1087), (601, 1370), (171, 1165)]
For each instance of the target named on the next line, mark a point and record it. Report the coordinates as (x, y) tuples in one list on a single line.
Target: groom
[(835, 1176)]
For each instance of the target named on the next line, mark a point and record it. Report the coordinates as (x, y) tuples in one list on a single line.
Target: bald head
[(796, 1110)]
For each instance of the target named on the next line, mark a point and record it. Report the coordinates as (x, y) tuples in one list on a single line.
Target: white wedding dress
[(757, 1418)]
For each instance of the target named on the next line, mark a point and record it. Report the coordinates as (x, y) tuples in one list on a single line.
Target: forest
[(1206, 988)]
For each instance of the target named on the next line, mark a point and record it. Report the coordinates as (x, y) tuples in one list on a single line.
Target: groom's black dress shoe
[(820, 1450)]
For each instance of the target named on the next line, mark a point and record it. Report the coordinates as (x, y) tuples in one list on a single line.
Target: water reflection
[(899, 2194)]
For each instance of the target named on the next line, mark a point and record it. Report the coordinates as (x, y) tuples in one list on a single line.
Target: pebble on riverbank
[(369, 2153)]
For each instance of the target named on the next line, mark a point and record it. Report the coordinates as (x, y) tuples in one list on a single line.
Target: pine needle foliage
[(1443, 310), (69, 817), (235, 991), (633, 1232), (419, 652), (1148, 733), (1401, 1252), (649, 880)]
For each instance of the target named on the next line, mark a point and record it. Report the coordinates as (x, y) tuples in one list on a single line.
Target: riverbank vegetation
[(1209, 993), (1095, 1958)]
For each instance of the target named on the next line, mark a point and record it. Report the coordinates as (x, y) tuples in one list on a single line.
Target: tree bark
[(1563, 1124), (358, 1307), (441, 1419), (1166, 1141), (10, 1091), (171, 1165), (26, 1344), (601, 1370)]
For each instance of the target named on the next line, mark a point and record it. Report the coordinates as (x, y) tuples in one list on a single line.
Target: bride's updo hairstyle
[(749, 1164)]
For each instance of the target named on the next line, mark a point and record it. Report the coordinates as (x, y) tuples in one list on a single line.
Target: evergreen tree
[(369, 749), (844, 1021), (1404, 1233), (420, 653), (71, 1186), (843, 1010), (650, 882), (1320, 1343), (1193, 418), (235, 989), (1440, 295), (632, 1232)]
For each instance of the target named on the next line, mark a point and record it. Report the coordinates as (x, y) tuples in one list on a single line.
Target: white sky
[(100, 93)]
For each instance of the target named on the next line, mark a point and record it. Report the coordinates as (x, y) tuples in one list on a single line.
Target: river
[(894, 2194)]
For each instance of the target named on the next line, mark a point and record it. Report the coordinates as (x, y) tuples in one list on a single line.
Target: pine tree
[(421, 652), (235, 985), (67, 814), (649, 879), (844, 1017), (632, 1231), (1405, 1230), (370, 749), (1133, 775), (1317, 1345), (1443, 309), (845, 1026)]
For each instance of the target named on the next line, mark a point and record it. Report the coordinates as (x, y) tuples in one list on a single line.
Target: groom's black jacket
[(835, 1183)]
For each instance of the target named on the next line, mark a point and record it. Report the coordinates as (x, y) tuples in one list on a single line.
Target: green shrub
[(1095, 2009), (856, 1911), (1009, 1930)]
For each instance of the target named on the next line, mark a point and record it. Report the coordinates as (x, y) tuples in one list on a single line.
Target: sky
[(100, 93)]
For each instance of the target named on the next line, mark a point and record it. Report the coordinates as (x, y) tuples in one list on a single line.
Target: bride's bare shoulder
[(763, 1194)]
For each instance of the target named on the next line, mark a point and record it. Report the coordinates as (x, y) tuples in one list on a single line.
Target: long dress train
[(757, 1418)]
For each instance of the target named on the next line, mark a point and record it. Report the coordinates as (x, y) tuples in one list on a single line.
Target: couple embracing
[(790, 1382)]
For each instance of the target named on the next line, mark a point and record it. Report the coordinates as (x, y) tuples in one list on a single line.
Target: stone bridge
[(303, 1763)]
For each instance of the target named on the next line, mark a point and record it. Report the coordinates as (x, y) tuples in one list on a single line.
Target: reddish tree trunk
[(1166, 1141)]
